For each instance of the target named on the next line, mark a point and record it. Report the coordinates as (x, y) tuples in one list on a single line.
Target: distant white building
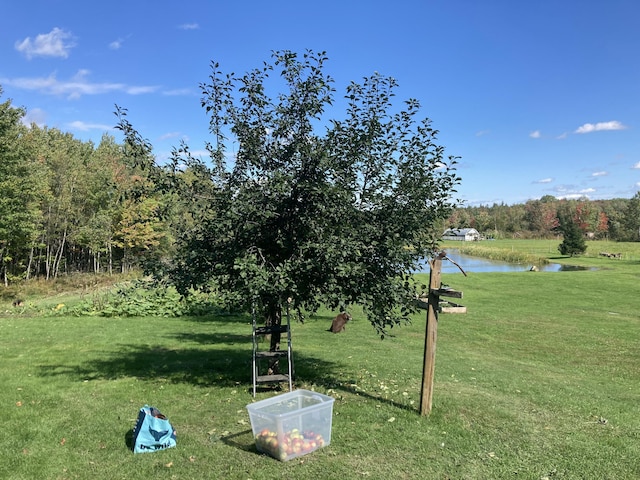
[(461, 234)]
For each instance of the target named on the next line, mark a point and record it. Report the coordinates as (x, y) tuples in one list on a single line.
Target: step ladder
[(264, 360)]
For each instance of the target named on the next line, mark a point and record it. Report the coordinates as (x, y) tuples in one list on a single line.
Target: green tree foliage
[(19, 173), (65, 158), (541, 216), (308, 211), (573, 242), (631, 220), (107, 178), (66, 205)]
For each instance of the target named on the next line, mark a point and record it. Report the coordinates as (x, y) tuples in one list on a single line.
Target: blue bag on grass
[(152, 432)]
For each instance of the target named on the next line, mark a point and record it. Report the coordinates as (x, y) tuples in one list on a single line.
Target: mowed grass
[(539, 379)]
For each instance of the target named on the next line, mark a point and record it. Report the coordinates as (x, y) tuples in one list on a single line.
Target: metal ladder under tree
[(271, 358)]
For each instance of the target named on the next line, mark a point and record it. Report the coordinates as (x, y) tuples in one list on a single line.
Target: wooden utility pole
[(430, 337), (433, 307)]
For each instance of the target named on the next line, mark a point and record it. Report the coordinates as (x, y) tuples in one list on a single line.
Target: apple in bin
[(291, 443)]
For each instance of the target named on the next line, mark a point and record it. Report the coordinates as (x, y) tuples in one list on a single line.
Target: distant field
[(536, 251), (540, 379)]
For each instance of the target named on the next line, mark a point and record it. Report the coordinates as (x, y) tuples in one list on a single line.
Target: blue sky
[(538, 98)]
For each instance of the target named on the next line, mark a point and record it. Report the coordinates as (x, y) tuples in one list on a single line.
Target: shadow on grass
[(128, 439), (221, 359), (241, 440), (215, 315), (214, 339), (218, 365)]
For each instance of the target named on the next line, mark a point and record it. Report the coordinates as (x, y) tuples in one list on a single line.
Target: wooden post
[(431, 336)]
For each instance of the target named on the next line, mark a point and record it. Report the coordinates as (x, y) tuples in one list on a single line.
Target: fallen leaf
[(18, 404), (392, 419), (169, 465), (192, 458), (63, 441)]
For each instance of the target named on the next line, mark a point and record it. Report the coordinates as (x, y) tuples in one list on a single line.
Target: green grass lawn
[(539, 379)]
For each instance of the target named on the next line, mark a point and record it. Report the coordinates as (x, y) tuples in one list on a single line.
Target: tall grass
[(502, 254), (541, 252), (538, 380)]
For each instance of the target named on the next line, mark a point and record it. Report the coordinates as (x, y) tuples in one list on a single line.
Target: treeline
[(617, 219), (71, 206)]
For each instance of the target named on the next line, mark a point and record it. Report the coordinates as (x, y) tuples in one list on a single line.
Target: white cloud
[(637, 165), (599, 174), (189, 26), (562, 136), (56, 43), (177, 92), (601, 126), (535, 134), (572, 196), (169, 135), (482, 132), (85, 127), (34, 115), (570, 192), (75, 87), (139, 90), (119, 42), (544, 180), (206, 154)]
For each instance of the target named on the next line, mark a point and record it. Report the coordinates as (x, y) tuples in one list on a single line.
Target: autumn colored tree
[(541, 217), (602, 226)]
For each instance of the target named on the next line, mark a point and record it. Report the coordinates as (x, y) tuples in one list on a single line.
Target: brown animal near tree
[(339, 322)]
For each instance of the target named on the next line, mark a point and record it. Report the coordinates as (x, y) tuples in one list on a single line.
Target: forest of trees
[(616, 219), (72, 206)]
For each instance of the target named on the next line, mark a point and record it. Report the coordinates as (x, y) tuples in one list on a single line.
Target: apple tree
[(297, 210)]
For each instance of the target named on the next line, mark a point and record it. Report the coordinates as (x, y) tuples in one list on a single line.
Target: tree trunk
[(47, 264), (58, 255), (273, 317), (4, 269), (30, 264)]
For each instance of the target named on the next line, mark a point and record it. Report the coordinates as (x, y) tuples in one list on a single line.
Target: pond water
[(478, 264)]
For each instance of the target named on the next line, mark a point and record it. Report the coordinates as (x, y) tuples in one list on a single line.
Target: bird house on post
[(433, 306)]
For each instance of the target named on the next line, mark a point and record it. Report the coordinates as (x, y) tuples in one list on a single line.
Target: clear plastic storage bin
[(292, 424)]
